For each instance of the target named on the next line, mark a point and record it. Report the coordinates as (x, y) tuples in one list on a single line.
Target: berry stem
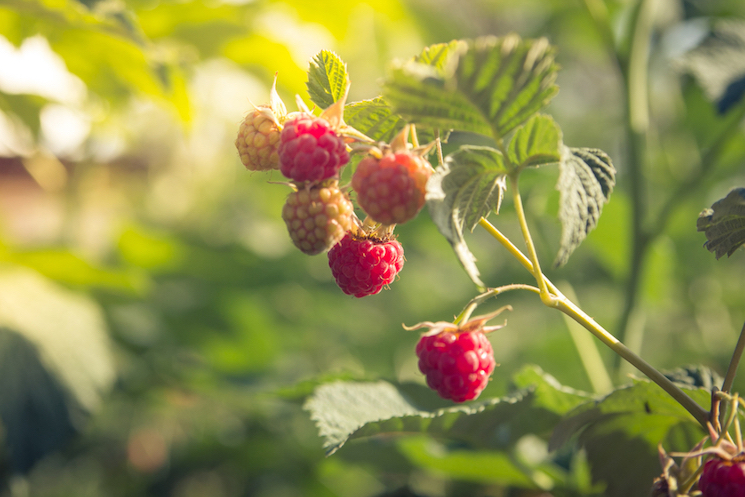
[(560, 302), (492, 292), (438, 144), (546, 297), (734, 362)]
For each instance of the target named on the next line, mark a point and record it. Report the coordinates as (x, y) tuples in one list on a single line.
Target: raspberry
[(722, 478), (364, 265), (457, 364), (258, 140), (310, 150), (317, 217), (391, 190)]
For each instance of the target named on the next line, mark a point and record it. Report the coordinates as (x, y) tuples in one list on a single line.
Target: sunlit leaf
[(439, 54), (586, 180), (466, 188), (348, 410), (622, 430), (25, 107), (535, 143), (327, 78), (724, 224), (374, 118), (495, 85)]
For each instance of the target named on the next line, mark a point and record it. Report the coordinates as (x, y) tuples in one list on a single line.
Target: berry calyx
[(317, 217), (310, 150), (456, 364), (723, 477), (391, 189), (362, 265)]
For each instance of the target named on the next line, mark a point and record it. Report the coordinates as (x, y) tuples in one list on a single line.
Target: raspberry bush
[(454, 88)]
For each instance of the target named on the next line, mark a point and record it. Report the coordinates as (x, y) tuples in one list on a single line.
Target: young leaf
[(374, 118), (494, 85), (586, 180), (327, 78), (466, 188), (724, 224), (535, 143), (349, 410)]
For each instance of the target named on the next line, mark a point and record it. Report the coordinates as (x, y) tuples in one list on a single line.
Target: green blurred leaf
[(586, 180), (345, 411), (496, 85), (462, 464), (468, 186), (621, 432), (724, 224), (34, 411), (535, 143), (327, 78), (439, 54), (68, 329), (25, 107), (718, 63)]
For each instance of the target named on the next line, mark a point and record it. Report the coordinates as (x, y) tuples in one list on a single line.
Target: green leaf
[(622, 430), (327, 78), (375, 118), (535, 143), (718, 63), (34, 409), (494, 85), (68, 320), (586, 180), (463, 464), (25, 107), (724, 224), (468, 186), (439, 54), (347, 410)]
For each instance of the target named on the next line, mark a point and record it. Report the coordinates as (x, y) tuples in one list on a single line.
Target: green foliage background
[(157, 323)]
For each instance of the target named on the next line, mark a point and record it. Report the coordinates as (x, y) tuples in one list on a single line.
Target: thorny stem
[(560, 302), (492, 292), (734, 362)]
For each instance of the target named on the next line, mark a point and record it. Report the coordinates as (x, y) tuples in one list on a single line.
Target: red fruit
[(457, 364), (364, 265), (722, 478), (317, 217), (310, 150), (391, 190)]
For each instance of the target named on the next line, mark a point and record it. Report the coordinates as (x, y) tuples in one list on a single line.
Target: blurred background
[(158, 330)]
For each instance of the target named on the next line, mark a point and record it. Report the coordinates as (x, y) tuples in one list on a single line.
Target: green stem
[(492, 292), (729, 379), (559, 301), (546, 297)]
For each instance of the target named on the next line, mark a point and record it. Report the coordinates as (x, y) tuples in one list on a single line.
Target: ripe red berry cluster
[(363, 265), (723, 478), (456, 364)]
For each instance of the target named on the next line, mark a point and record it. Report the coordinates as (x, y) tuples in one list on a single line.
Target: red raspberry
[(364, 265), (391, 190), (457, 364), (722, 478), (317, 217), (258, 140), (310, 150)]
